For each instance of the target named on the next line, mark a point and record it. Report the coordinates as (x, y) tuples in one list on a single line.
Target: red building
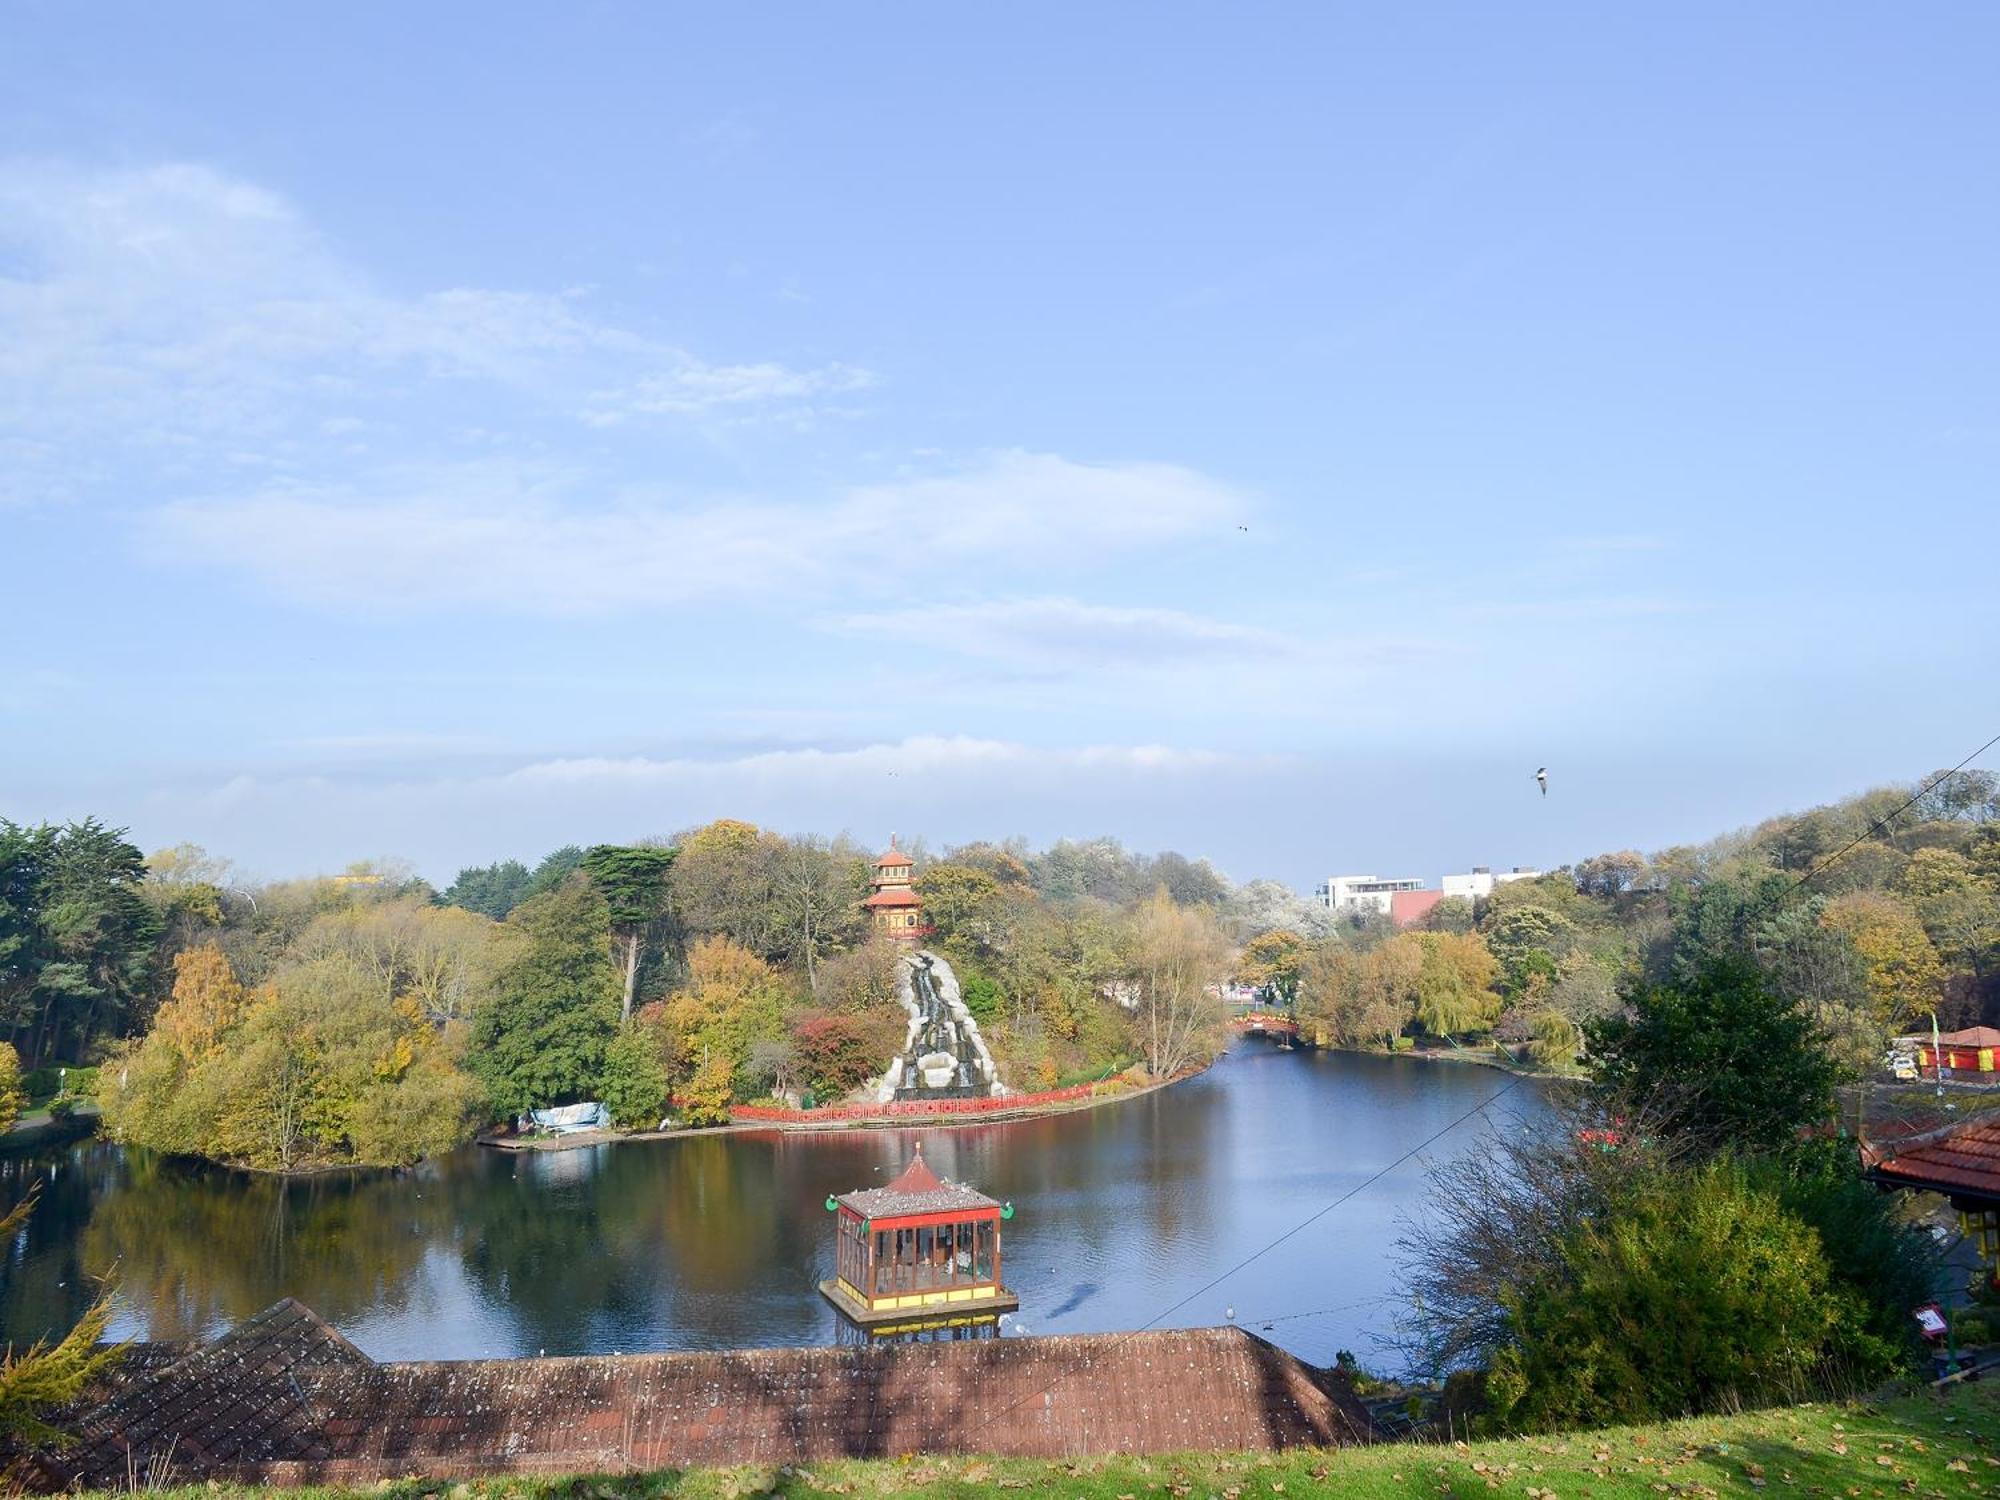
[(893, 907)]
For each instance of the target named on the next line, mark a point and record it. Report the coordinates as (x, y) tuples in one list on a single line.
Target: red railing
[(910, 1108)]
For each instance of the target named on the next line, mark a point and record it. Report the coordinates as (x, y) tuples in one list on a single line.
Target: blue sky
[(1267, 431)]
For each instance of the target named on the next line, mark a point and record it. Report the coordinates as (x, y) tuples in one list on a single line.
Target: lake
[(718, 1241)]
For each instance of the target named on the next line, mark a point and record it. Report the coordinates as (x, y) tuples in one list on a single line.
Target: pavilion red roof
[(918, 1191), (1962, 1159), (1972, 1036), (900, 895), (893, 858)]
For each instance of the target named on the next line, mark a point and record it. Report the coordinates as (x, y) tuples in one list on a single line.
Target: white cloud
[(1067, 631), (493, 536), (953, 786), (175, 307)]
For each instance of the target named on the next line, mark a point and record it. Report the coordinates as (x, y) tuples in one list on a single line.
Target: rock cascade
[(943, 1056)]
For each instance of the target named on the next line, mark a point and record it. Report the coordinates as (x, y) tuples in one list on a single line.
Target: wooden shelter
[(920, 1253)]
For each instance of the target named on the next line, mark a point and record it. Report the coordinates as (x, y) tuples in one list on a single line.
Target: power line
[(1270, 1245), (1884, 821)]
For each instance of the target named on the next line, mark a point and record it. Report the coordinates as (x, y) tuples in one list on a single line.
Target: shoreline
[(941, 1121), (1483, 1058)]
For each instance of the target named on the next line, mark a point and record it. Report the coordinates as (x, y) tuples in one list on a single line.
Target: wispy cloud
[(499, 536), (1067, 631), (175, 308)]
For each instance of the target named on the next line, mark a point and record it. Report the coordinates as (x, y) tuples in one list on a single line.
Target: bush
[(1969, 1328), (1403, 1044), (11, 1094), (61, 1107), (1696, 1291), (981, 996), (634, 1081)]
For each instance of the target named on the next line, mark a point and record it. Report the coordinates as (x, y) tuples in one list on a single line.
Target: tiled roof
[(236, 1401), (918, 1190), (895, 895), (1972, 1036), (326, 1419), (1964, 1158), (892, 859)]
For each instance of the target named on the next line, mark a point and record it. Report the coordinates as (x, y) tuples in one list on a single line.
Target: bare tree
[(1180, 959)]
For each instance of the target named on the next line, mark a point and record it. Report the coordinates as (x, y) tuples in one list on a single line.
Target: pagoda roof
[(899, 895), (918, 1191), (1973, 1036), (894, 858)]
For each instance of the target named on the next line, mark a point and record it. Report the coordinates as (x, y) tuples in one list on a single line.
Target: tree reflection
[(197, 1247)]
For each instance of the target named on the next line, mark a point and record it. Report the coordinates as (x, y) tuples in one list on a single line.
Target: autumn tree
[(1904, 978), (1271, 962), (1454, 982), (208, 1000), (11, 1095), (730, 998), (723, 883), (1179, 960)]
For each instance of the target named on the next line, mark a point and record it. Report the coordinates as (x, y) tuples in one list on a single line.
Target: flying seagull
[(1542, 779)]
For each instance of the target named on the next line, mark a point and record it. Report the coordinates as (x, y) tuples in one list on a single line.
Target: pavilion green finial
[(832, 1203), (1007, 1209)]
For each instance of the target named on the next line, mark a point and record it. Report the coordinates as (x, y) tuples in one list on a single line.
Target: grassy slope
[(1925, 1445)]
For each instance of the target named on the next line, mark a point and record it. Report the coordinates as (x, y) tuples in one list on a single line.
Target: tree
[(38, 1382), (634, 1083), (491, 890), (731, 998), (1609, 876), (1904, 978), (723, 880), (833, 1054), (632, 879), (1698, 1293), (208, 1000), (1452, 986), (1529, 942), (11, 1097), (962, 903), (817, 891), (1179, 959), (1271, 962), (541, 1039), (1730, 1062)]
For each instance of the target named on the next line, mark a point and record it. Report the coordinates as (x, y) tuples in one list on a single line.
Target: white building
[(1481, 881), (1353, 892)]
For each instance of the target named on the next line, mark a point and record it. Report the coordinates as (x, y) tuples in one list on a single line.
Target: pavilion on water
[(919, 1254)]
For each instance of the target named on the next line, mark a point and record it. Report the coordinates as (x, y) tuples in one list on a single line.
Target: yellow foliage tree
[(208, 999), (1905, 979), (731, 999)]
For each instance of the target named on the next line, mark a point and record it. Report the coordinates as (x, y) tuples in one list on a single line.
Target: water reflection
[(717, 1241)]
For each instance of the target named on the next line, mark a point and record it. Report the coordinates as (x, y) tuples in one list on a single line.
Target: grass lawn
[(1934, 1446)]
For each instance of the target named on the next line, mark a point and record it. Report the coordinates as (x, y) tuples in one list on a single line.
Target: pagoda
[(918, 1256), (894, 908)]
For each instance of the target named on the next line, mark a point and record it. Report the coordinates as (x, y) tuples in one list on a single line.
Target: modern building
[(1351, 893), (893, 906), (1480, 882)]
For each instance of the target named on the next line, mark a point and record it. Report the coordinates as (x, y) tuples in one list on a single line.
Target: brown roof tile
[(1965, 1158), (283, 1399)]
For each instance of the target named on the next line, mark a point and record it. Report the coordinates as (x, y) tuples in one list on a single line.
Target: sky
[(1266, 431)]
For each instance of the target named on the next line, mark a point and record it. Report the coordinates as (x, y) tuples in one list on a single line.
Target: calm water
[(718, 1241)]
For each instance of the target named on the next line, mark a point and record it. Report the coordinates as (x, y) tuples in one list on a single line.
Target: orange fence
[(907, 1108)]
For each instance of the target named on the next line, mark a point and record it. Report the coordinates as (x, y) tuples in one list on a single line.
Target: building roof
[(918, 1191), (281, 1408), (1959, 1159), (1972, 1036), (895, 895), (893, 858)]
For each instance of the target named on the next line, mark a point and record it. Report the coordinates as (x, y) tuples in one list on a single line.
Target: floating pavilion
[(919, 1256)]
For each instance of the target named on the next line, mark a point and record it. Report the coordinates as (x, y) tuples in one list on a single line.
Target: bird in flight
[(1542, 779)]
